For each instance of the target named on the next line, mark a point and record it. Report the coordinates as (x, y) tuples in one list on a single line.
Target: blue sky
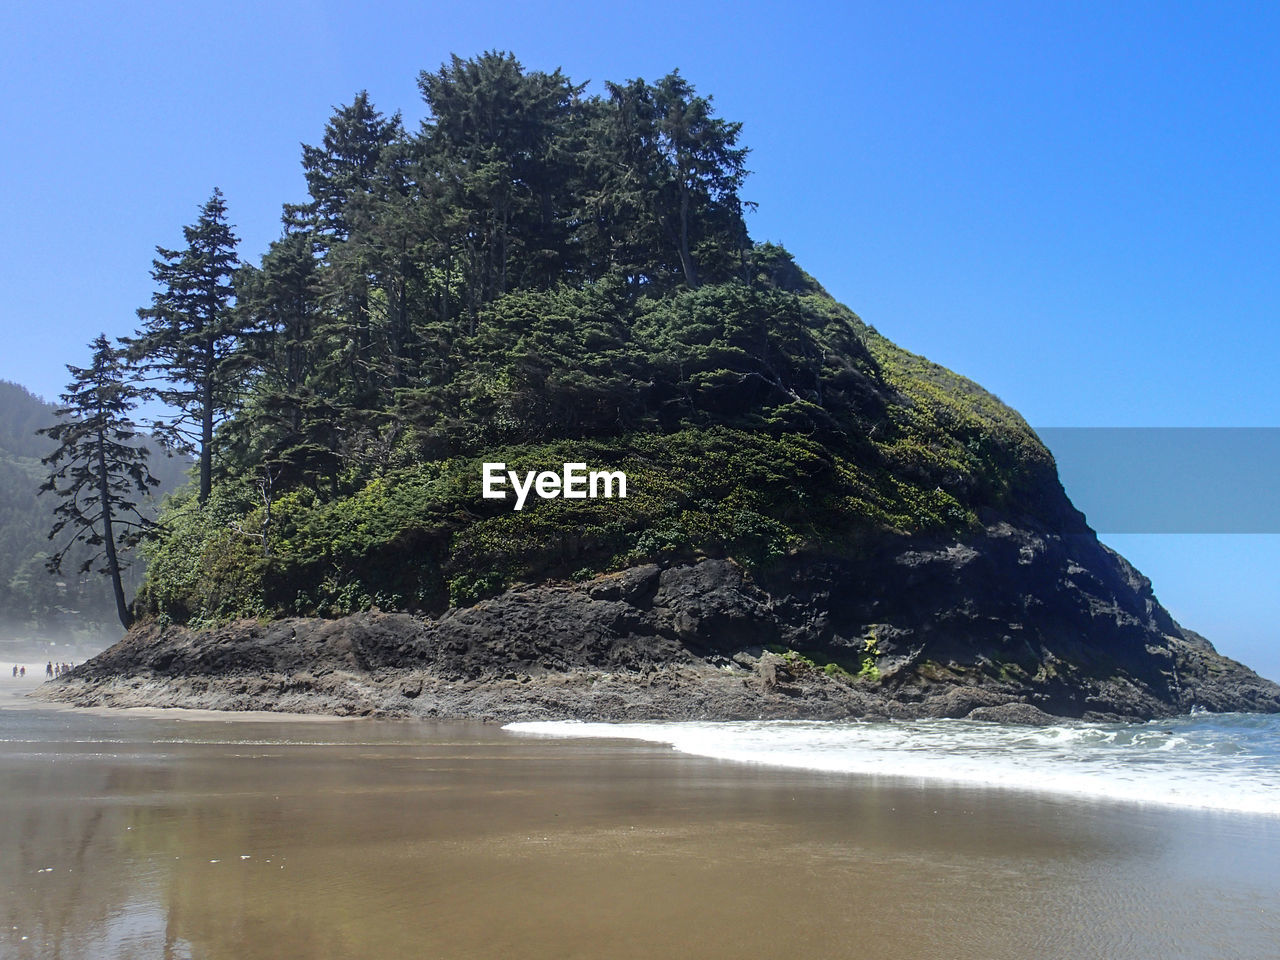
[(1074, 204)]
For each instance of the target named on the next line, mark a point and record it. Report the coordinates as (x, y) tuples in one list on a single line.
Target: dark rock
[(411, 688), (1011, 624), (1023, 713), (773, 671)]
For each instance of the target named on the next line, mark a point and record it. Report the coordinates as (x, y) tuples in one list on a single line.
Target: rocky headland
[(1013, 625), (818, 523)]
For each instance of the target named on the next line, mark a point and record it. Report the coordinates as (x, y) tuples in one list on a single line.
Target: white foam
[(1182, 763)]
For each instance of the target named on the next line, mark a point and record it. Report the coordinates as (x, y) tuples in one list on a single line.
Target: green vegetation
[(536, 276), (33, 601), (846, 670), (99, 470), (190, 336)]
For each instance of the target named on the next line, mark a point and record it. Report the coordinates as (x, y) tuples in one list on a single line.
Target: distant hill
[(22, 413), (32, 600)]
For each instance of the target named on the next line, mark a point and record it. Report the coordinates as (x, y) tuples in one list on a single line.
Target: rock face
[(1013, 625)]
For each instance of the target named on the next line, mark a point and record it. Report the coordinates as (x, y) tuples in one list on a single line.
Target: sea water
[(1227, 762)]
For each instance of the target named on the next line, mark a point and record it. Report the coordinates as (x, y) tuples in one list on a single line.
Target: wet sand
[(158, 836)]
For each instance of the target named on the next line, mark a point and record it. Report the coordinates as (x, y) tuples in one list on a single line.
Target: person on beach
[(22, 671), (48, 669)]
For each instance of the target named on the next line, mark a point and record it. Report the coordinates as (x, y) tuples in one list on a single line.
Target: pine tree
[(190, 335), (499, 136), (344, 169), (673, 170), (284, 428), (354, 171), (98, 470)]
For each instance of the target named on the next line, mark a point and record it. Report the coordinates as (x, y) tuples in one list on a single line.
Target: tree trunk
[(206, 438), (444, 294), (113, 561), (403, 333), (502, 273), (686, 258)]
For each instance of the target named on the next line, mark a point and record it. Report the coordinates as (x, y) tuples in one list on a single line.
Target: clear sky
[(1075, 204)]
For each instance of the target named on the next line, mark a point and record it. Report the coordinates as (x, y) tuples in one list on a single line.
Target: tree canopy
[(536, 275), (99, 471), (190, 338)]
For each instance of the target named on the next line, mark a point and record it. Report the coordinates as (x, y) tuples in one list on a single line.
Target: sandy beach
[(140, 836)]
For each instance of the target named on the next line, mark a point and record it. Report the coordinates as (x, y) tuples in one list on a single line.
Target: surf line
[(574, 482)]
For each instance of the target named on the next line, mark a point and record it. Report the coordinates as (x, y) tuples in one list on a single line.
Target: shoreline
[(657, 735), (34, 698), (952, 755), (761, 687)]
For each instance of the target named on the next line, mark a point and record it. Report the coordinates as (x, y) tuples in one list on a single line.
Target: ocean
[(1227, 762)]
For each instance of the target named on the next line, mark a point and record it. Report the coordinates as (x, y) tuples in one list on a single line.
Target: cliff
[(1010, 625)]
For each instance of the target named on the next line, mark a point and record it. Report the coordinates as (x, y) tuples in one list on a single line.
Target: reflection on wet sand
[(135, 837)]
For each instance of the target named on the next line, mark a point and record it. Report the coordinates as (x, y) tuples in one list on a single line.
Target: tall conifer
[(98, 469), (190, 334)]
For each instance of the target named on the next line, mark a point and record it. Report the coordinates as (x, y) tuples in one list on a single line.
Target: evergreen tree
[(98, 470), (284, 427), (356, 171), (343, 168), (671, 173), (190, 334), (364, 326), (499, 135)]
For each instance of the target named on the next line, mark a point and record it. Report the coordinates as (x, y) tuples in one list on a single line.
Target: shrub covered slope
[(536, 277), (753, 422)]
